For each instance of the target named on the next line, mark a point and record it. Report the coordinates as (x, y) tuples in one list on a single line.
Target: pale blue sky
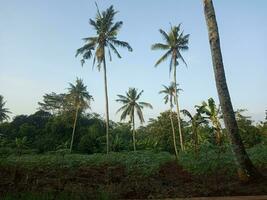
[(38, 40)]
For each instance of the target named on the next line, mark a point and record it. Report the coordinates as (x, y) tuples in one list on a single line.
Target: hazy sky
[(38, 40)]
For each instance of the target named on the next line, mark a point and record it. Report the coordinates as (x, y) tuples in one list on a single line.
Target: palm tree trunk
[(74, 127), (106, 97), (196, 142), (173, 135), (195, 135), (134, 134), (246, 169), (178, 111)]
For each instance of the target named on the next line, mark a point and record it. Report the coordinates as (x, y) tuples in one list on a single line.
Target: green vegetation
[(144, 162), (132, 106), (80, 98), (104, 41), (65, 140), (175, 43), (3, 111)]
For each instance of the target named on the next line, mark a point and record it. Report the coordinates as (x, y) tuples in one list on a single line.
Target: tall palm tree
[(80, 98), (212, 113), (175, 43), (246, 169), (105, 40), (132, 105), (169, 92), (196, 120), (3, 111)]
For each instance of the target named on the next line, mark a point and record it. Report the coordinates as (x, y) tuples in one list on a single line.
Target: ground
[(138, 175)]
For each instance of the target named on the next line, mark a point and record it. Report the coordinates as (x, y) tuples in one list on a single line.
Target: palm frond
[(139, 114), (160, 46), (115, 28), (123, 44), (145, 104), (163, 58), (114, 50), (187, 113), (165, 36)]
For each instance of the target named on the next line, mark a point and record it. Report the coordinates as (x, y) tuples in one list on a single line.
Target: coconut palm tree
[(104, 41), (3, 111), (175, 43), (212, 113), (169, 92), (196, 120), (246, 169), (80, 99), (132, 105)]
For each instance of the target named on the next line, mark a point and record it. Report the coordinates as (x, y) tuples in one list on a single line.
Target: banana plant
[(212, 113), (195, 120)]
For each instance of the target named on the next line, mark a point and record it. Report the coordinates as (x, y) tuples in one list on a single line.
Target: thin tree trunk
[(197, 142), (74, 127), (195, 135), (134, 134), (246, 169), (178, 111), (173, 135), (106, 97)]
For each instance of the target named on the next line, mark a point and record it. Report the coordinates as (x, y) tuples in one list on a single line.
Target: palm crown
[(175, 42), (169, 92), (131, 104), (79, 95), (3, 111), (106, 37)]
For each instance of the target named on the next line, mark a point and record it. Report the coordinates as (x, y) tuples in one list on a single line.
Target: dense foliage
[(43, 132)]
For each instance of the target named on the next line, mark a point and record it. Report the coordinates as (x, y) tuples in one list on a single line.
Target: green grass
[(145, 162)]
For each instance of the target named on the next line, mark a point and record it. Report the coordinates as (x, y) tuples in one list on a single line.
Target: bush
[(145, 162), (212, 159)]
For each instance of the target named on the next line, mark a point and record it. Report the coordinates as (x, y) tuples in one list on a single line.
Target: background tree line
[(51, 128)]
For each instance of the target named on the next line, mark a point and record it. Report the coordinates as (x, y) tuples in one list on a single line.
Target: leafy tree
[(175, 43), (80, 99), (131, 104), (105, 40), (196, 120), (212, 113), (121, 133), (250, 134), (53, 103), (246, 169), (92, 140), (156, 135), (3, 111), (169, 92)]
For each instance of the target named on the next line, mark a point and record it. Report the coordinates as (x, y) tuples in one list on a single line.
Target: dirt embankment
[(171, 180)]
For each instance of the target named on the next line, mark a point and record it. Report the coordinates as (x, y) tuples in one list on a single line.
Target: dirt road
[(225, 198)]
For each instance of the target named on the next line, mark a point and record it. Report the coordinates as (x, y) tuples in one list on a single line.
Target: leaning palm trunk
[(178, 111), (106, 97), (74, 127), (173, 135), (134, 134), (246, 169)]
